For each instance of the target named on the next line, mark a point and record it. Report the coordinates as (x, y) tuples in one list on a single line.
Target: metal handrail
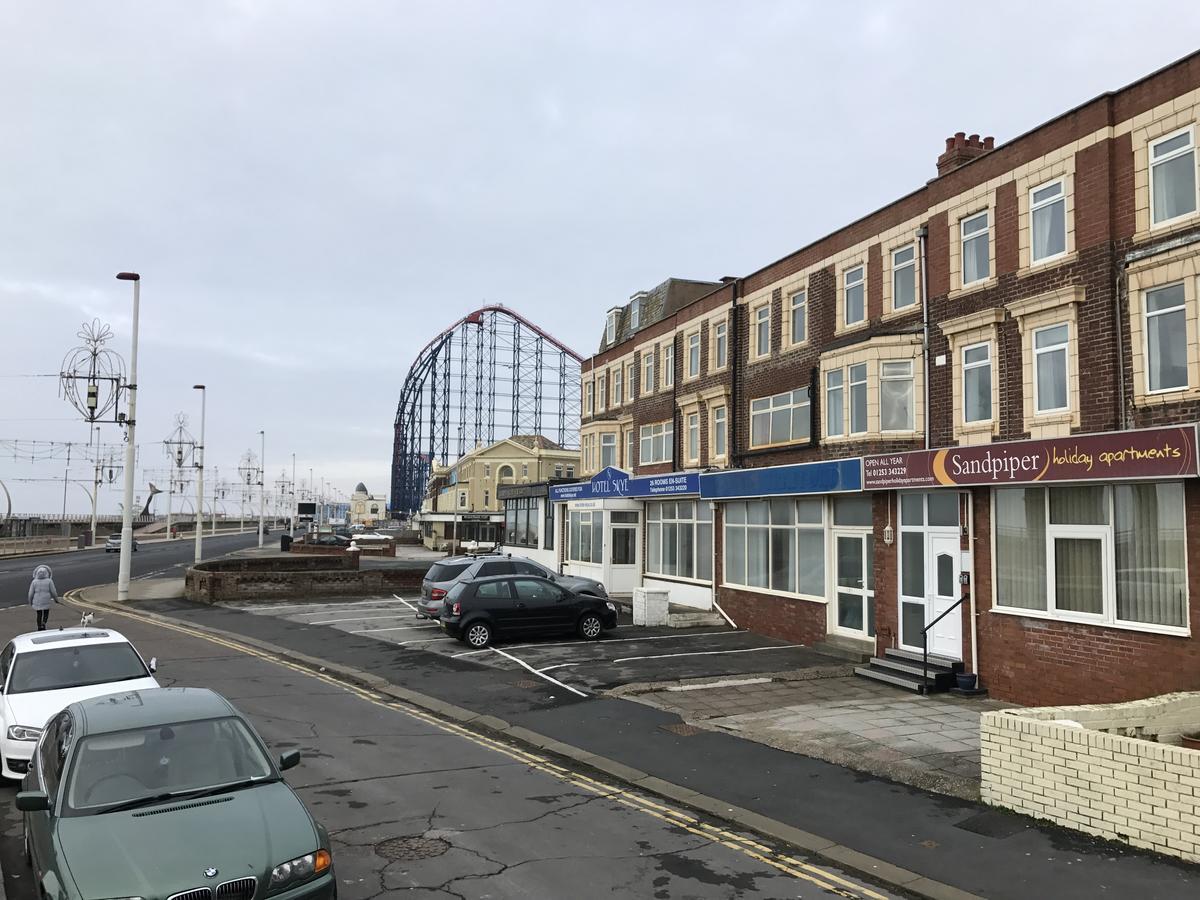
[(925, 639)]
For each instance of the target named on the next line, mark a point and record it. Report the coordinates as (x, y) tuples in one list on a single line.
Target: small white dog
[(86, 620)]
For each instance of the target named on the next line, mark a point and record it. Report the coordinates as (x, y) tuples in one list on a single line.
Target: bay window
[(657, 443), (834, 400), (776, 544), (1050, 359), (1108, 554), (896, 396), (1173, 176), (608, 450), (977, 383), (1166, 339), (781, 419), (679, 539), (858, 398)]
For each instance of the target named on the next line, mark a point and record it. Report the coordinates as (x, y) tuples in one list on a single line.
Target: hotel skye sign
[(1121, 455)]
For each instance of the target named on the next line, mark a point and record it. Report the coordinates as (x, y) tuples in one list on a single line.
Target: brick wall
[(1121, 788)]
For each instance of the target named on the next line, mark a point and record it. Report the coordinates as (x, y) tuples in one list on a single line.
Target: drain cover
[(529, 683), (412, 848), (682, 729), (993, 824)]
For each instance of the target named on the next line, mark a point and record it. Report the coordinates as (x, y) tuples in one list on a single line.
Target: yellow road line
[(826, 880)]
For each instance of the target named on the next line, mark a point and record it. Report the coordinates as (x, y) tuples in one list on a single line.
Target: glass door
[(855, 600)]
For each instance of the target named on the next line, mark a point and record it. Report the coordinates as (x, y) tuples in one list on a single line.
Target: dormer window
[(635, 314), (611, 334)]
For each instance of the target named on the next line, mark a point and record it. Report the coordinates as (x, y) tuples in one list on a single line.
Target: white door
[(855, 599), (621, 554), (941, 592)]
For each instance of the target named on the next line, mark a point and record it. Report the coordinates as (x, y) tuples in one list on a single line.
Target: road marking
[(405, 602), (702, 653), (427, 640), (603, 641), (559, 666), (397, 628), (274, 606), (352, 619), (815, 875), (521, 662), (728, 682)]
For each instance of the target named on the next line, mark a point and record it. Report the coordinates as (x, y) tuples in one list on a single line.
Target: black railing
[(925, 641)]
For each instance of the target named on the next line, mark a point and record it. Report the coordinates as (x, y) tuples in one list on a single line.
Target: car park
[(167, 792), (113, 543), (445, 573), (480, 610), (44, 671)]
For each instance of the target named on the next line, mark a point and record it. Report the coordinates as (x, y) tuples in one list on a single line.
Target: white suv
[(44, 671)]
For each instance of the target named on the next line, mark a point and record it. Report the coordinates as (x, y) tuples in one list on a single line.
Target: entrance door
[(941, 576), (622, 561), (855, 583)]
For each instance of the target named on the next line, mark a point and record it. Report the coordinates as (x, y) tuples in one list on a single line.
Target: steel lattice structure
[(490, 375)]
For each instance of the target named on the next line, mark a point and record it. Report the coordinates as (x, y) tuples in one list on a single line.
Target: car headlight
[(23, 733), (600, 588), (612, 606), (299, 870)]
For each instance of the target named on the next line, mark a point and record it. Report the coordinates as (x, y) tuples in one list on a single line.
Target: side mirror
[(153, 667), (33, 801), (289, 760)]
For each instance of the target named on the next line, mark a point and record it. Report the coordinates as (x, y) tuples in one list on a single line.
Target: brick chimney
[(961, 149)]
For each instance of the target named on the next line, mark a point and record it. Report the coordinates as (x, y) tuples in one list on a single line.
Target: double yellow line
[(822, 878)]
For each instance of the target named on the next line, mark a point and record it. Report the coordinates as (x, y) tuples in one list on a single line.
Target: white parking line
[(396, 628), (352, 619), (405, 602), (427, 640), (559, 666), (273, 606), (521, 662), (724, 683), (703, 653), (653, 637)]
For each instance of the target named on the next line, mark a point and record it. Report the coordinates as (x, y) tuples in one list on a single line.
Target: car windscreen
[(439, 572), (180, 758), (67, 667)]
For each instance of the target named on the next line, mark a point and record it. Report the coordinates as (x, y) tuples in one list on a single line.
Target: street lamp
[(130, 446), (199, 462), (262, 488)]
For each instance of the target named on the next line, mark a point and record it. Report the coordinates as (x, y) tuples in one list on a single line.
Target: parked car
[(445, 573), (478, 611), (225, 824), (43, 671), (113, 543)]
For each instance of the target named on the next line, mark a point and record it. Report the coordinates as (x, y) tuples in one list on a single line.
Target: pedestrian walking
[(42, 595)]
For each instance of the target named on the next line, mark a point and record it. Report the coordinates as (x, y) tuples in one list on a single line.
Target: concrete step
[(954, 665), (696, 619), (897, 679), (907, 667)]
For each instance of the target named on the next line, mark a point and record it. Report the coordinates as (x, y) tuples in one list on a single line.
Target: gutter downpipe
[(735, 363), (922, 235)]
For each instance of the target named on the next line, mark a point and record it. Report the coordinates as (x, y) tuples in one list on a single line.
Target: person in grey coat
[(42, 595)]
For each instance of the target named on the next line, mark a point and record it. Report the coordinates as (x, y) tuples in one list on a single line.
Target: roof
[(157, 706), (535, 442), (361, 489), (66, 637), (657, 304)]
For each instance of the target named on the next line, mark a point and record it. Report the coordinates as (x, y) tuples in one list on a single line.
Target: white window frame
[(610, 331), (861, 283), (773, 403), (1151, 162), (797, 528), (970, 367), (984, 234), (693, 437), (798, 302), (630, 375), (648, 360), (840, 388), (720, 344), (1148, 315), (602, 392), (720, 432), (851, 383), (911, 379), (668, 367), (617, 380), (897, 269), (608, 447), (635, 314), (589, 398), (663, 431), (629, 441), (762, 320), (1038, 352), (693, 354), (1033, 207)]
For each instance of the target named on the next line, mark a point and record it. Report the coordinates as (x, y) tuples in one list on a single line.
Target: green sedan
[(167, 793)]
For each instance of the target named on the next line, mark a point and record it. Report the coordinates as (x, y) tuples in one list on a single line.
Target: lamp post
[(199, 459), (95, 485), (293, 497), (262, 487), (130, 446)]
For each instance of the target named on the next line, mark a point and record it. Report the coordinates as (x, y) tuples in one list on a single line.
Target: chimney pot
[(974, 140), (960, 138), (989, 143), (950, 143)]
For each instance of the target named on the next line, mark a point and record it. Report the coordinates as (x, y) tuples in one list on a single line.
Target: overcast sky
[(311, 190)]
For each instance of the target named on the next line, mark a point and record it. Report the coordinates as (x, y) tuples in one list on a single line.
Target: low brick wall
[(296, 577), (1096, 776)]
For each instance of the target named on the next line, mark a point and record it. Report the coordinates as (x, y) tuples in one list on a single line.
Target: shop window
[(1095, 553), (976, 248), (548, 526), (1050, 355), (977, 382), (679, 539), (521, 522), (1048, 220), (1166, 339), (776, 544), (781, 419), (586, 536), (1173, 176), (896, 396), (852, 510), (904, 277), (657, 443), (854, 288)]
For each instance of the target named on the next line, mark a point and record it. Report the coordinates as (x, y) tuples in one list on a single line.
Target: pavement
[(424, 807), (918, 842), (929, 742)]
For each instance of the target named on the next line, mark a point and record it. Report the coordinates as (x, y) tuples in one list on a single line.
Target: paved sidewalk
[(928, 742)]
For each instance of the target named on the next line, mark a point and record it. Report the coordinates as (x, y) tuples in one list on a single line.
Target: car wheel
[(590, 627), (478, 635)]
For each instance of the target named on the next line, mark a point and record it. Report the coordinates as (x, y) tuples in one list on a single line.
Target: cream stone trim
[(849, 266), (758, 353), (1033, 313), (966, 331), (888, 276), (686, 400), (720, 392), (1180, 265), (968, 210), (1178, 116), (886, 348), (1060, 170)]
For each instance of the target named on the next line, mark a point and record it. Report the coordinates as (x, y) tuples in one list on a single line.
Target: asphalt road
[(431, 809), (82, 568)]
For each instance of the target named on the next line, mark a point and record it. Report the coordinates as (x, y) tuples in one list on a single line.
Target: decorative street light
[(180, 448), (130, 425), (199, 463)]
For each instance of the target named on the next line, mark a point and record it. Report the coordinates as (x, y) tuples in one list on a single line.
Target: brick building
[(985, 391)]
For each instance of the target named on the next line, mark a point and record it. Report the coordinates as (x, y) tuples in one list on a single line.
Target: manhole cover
[(528, 683), (412, 848), (993, 824), (682, 729)]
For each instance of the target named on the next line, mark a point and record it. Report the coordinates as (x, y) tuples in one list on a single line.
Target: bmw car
[(167, 792)]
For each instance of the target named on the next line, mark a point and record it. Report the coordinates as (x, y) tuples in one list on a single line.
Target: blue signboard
[(612, 482), (826, 477)]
